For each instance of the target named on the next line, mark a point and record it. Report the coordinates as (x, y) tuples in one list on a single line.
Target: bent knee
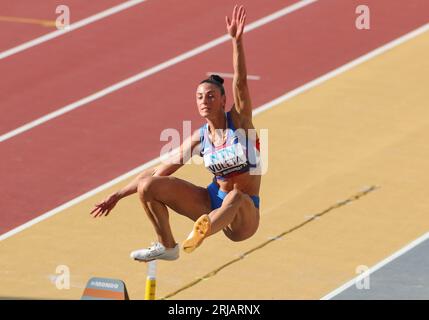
[(240, 235), (144, 188)]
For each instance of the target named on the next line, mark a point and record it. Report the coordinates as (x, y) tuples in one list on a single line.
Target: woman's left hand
[(235, 27), (103, 208)]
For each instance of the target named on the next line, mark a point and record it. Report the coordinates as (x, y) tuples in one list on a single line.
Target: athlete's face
[(210, 101)]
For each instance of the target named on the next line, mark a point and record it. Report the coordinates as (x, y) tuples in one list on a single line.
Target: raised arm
[(235, 26)]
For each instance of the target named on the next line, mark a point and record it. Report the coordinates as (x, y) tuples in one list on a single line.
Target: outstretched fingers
[(240, 13), (98, 210), (243, 19), (235, 13), (95, 209), (108, 211)]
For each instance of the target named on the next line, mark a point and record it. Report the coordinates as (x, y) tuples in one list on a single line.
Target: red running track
[(87, 60), (70, 155), (13, 34)]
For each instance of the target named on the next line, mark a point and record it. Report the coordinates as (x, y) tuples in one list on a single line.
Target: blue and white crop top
[(237, 155)]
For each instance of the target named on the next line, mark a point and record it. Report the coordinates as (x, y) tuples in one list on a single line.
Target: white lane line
[(231, 75), (72, 27), (379, 265), (78, 200), (258, 110), (344, 68), (151, 71)]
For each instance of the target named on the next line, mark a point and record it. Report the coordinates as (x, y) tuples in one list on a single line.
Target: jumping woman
[(231, 202)]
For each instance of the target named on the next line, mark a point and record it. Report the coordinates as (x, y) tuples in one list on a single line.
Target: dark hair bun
[(215, 77)]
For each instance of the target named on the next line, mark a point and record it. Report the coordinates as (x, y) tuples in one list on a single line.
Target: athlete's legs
[(237, 217), (156, 193)]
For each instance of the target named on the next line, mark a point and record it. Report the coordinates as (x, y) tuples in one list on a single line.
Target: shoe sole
[(198, 234), (138, 260), (156, 258)]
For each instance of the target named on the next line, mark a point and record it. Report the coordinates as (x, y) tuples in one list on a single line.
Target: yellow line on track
[(44, 23)]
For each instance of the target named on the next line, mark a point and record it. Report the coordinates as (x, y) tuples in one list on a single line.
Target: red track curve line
[(73, 26), (388, 46), (146, 73)]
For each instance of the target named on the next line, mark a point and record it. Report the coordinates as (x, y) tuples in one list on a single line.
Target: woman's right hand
[(235, 26), (103, 208)]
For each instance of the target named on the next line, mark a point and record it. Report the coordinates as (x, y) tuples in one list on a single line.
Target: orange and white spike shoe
[(199, 233)]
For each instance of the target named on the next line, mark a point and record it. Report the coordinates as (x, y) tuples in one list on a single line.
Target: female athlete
[(231, 202)]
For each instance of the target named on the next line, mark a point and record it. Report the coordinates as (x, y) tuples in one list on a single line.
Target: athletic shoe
[(198, 234), (156, 251)]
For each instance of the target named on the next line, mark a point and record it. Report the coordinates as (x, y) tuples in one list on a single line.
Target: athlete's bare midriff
[(246, 183)]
